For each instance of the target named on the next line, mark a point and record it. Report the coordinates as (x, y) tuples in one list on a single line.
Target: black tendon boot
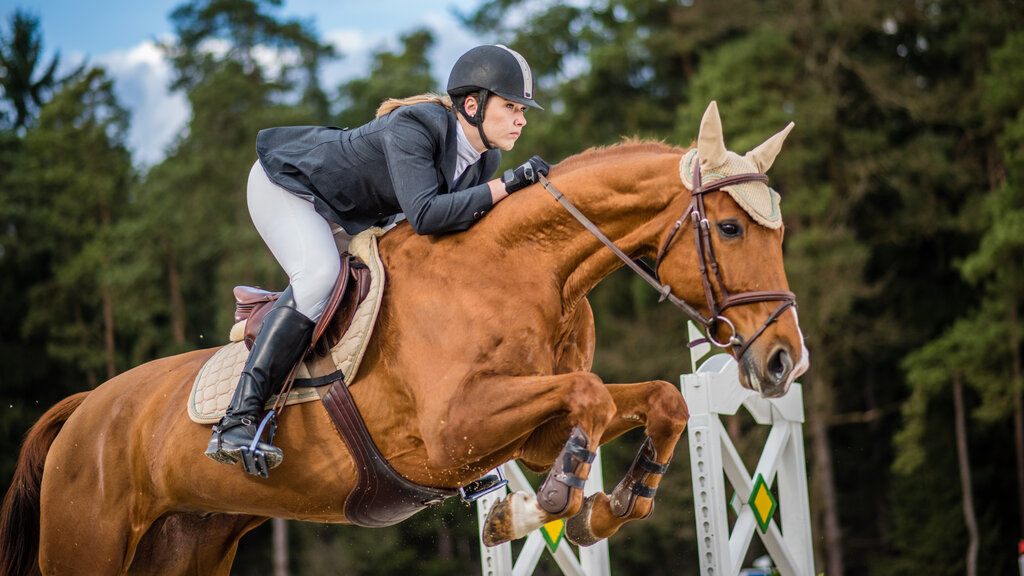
[(280, 344)]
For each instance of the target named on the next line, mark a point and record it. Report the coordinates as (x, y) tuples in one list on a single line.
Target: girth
[(382, 496)]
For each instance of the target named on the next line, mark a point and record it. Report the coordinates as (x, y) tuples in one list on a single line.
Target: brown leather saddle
[(382, 496), (350, 289)]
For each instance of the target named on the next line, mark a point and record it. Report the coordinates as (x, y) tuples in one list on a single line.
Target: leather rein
[(706, 260)]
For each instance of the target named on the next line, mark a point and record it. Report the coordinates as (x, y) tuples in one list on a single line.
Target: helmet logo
[(525, 68)]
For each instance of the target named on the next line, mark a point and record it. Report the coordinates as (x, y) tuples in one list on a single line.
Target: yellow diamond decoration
[(553, 532), (763, 503)]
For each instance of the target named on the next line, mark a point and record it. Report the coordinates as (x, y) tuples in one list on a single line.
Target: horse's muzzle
[(771, 375)]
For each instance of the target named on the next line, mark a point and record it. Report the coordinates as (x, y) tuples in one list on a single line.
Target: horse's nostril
[(779, 366)]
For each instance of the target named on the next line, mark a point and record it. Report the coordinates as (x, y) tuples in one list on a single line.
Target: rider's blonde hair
[(431, 97)]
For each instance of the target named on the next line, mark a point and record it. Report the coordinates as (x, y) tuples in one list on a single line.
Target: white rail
[(714, 389)]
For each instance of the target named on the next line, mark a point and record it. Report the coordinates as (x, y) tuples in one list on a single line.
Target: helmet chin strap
[(478, 118)]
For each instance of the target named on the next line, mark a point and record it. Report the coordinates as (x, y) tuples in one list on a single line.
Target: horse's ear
[(764, 155), (710, 142)]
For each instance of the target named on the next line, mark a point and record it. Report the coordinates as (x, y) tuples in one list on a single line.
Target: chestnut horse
[(482, 354)]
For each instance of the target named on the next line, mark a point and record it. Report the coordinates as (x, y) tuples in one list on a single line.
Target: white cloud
[(142, 75), (356, 47), (141, 79)]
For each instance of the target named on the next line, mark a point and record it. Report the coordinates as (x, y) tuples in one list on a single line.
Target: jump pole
[(714, 389)]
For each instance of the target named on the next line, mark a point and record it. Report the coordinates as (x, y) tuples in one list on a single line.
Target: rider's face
[(503, 121)]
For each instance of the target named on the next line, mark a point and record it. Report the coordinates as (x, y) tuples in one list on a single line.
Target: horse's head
[(736, 225)]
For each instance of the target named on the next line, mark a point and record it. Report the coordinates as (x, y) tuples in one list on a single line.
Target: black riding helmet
[(486, 69)]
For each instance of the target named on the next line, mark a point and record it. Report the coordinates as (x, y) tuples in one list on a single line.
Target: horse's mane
[(628, 147)]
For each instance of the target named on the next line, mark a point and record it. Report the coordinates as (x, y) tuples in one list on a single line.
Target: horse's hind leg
[(84, 536), (661, 407), (90, 513), (185, 544)]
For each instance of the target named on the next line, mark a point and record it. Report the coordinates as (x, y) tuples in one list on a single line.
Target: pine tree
[(22, 84)]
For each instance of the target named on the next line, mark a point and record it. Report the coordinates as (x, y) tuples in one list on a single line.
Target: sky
[(120, 35)]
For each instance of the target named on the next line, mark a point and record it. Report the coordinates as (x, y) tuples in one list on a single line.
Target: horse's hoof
[(498, 528), (513, 517), (577, 528)]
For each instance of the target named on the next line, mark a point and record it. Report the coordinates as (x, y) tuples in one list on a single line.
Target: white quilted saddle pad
[(215, 384)]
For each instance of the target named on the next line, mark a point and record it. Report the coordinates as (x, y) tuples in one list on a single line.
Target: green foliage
[(391, 76), (77, 171), (24, 86), (983, 346), (975, 347), (240, 26)]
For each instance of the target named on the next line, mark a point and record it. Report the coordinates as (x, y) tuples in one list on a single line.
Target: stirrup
[(485, 485), (254, 459)]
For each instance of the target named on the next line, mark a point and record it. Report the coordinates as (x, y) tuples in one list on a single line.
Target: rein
[(706, 256)]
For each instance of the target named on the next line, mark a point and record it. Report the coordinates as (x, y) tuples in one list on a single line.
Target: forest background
[(903, 198)]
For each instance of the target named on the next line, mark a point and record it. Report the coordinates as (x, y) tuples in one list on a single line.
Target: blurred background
[(123, 228)]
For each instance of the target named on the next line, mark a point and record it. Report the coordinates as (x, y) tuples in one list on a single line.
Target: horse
[(481, 354)]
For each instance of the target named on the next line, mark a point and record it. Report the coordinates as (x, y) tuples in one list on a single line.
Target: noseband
[(706, 258)]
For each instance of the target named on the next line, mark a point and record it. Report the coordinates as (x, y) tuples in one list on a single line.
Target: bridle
[(705, 256)]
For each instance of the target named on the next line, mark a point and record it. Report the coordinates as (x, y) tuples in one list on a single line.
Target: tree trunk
[(108, 332), (817, 421), (280, 537), (90, 375), (1018, 410), (177, 301), (965, 476), (445, 550), (108, 302)]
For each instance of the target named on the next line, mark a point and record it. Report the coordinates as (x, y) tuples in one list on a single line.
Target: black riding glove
[(524, 175)]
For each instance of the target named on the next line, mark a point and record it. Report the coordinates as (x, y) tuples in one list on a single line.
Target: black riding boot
[(280, 344)]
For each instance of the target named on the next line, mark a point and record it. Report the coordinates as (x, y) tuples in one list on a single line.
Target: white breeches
[(305, 244)]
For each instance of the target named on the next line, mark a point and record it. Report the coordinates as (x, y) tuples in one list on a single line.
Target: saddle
[(351, 288)]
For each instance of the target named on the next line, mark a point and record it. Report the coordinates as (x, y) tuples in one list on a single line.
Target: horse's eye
[(730, 229)]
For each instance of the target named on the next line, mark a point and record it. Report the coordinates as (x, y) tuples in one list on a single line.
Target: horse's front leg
[(493, 415), (660, 407)]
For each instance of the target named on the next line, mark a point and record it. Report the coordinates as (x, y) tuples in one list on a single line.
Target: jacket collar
[(486, 166)]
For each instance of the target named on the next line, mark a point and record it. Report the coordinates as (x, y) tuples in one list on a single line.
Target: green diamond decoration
[(553, 532), (762, 503)]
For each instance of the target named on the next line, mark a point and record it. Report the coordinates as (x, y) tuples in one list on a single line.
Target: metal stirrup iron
[(254, 459)]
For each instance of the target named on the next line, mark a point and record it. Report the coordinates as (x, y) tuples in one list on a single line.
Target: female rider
[(312, 188)]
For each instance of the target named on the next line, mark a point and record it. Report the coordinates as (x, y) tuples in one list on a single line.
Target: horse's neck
[(631, 198)]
